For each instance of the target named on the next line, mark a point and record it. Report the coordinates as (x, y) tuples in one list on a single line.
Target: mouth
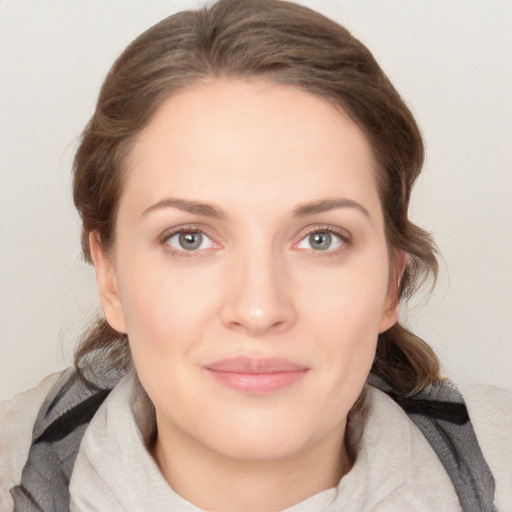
[(256, 376)]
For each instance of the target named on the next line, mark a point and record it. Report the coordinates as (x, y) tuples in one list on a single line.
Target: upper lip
[(244, 364)]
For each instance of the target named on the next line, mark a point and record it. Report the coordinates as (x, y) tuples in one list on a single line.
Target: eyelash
[(183, 230), (344, 236)]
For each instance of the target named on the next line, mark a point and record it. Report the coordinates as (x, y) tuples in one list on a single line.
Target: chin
[(262, 436), (265, 446)]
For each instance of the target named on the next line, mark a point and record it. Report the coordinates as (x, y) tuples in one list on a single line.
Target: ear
[(107, 284), (391, 308)]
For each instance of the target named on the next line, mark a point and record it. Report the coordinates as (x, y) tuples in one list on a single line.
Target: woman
[(244, 186)]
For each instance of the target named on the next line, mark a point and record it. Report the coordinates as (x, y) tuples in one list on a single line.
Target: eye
[(189, 241), (322, 240)]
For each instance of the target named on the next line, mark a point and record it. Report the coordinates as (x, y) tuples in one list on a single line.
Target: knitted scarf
[(438, 411)]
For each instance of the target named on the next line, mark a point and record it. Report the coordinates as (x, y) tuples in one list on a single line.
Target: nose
[(258, 296)]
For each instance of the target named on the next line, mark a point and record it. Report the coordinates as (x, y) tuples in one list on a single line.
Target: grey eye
[(321, 241), (189, 241)]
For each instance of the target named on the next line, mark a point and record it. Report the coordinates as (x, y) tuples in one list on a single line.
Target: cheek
[(163, 318), (352, 296), (165, 305), (344, 312)]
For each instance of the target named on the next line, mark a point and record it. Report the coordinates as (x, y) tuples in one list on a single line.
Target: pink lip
[(256, 375)]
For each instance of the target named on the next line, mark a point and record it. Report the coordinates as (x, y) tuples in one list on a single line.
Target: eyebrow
[(209, 210), (325, 205), (194, 207)]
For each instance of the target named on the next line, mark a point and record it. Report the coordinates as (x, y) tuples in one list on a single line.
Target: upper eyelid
[(164, 238), (343, 233), (172, 234), (192, 228)]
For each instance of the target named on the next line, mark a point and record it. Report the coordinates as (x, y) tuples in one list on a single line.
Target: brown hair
[(288, 44)]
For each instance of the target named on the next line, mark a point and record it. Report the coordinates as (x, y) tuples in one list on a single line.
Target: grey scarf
[(438, 411)]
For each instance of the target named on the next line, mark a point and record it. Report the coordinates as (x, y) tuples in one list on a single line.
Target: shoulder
[(468, 450), (17, 418), (490, 411)]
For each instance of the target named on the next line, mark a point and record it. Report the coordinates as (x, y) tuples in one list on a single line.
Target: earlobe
[(107, 284), (391, 310), (389, 317)]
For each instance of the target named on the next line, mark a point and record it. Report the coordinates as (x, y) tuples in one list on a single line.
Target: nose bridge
[(258, 296)]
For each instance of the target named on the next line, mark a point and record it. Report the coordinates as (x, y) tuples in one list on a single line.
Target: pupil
[(320, 241), (190, 241)]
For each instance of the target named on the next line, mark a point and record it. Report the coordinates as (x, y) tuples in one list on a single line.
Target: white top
[(395, 468)]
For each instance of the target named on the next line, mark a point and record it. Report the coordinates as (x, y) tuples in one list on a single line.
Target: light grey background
[(450, 59)]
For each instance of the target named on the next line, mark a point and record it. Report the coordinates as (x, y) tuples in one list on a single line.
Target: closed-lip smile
[(256, 375)]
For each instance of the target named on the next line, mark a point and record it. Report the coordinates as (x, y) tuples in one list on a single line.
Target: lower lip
[(257, 382)]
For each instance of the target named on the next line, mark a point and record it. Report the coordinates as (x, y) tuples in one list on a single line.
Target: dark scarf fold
[(438, 411), (441, 415)]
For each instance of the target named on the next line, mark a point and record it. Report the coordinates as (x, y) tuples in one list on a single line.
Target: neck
[(214, 482)]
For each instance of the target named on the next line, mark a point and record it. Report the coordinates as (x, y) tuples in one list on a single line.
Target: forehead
[(256, 138)]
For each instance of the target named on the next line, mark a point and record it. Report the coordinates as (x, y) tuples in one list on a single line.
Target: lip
[(252, 375)]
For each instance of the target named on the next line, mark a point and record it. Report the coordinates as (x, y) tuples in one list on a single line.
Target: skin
[(256, 286)]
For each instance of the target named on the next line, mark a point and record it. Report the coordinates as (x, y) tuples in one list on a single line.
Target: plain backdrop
[(450, 60)]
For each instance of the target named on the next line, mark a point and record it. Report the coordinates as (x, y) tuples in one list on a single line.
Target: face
[(250, 268)]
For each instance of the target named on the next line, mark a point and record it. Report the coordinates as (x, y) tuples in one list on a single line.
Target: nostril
[(258, 322), (278, 325)]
